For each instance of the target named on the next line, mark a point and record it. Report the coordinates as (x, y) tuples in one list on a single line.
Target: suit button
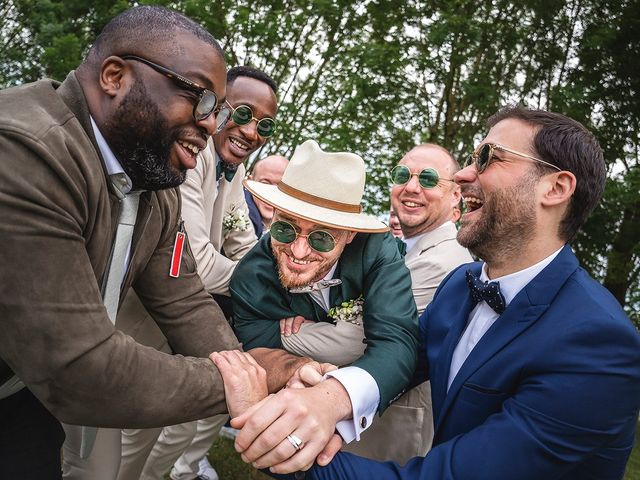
[(363, 422)]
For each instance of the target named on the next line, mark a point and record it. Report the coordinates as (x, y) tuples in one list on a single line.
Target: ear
[(114, 75), (351, 236), (558, 188), (455, 194)]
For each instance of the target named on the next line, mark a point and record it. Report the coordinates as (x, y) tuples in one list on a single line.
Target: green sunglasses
[(319, 240), (427, 177), (483, 156), (242, 114)]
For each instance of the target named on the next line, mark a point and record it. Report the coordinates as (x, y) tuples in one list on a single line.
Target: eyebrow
[(198, 78)]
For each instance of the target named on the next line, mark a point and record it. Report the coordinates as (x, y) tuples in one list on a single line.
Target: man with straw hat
[(327, 264)]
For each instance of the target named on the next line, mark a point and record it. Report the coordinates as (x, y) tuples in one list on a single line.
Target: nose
[(467, 175), (250, 130), (300, 247), (209, 124), (413, 185)]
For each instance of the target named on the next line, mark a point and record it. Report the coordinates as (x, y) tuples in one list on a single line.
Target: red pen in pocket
[(176, 256)]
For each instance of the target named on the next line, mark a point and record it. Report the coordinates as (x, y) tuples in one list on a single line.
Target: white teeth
[(238, 144), (189, 146), (299, 262), (473, 202), (412, 204)]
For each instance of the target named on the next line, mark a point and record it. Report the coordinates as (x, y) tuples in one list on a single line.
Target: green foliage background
[(378, 76)]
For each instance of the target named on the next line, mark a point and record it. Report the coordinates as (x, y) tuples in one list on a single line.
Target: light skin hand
[(310, 414), (310, 374), (245, 382), (291, 325)]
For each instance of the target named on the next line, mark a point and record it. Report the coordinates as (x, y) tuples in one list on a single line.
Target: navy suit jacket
[(254, 213), (551, 391)]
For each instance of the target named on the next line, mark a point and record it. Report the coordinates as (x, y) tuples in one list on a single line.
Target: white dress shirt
[(483, 316), (362, 389), (113, 167)]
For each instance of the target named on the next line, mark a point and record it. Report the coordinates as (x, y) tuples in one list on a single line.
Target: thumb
[(330, 450)]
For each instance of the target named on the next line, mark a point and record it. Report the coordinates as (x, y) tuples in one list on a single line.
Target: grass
[(633, 467), (230, 467)]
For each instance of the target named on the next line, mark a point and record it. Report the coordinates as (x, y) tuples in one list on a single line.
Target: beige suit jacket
[(435, 255), (205, 202)]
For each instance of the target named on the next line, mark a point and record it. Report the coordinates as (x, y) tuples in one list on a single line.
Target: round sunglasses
[(484, 155), (319, 240), (427, 177), (242, 114)]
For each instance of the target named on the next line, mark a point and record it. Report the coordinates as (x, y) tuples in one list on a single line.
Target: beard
[(140, 137), (292, 279), (507, 222)]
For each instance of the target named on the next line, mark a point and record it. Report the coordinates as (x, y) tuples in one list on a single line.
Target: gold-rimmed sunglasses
[(484, 155)]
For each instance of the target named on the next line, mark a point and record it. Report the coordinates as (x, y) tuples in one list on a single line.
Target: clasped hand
[(308, 410)]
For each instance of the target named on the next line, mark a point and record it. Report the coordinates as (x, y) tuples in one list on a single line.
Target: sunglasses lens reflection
[(266, 127), (206, 105), (283, 232), (484, 156), (242, 115), (429, 178), (321, 241), (400, 175)]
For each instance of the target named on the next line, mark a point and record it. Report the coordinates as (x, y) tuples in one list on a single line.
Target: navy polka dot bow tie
[(487, 291)]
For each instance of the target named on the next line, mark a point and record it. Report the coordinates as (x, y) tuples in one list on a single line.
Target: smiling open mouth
[(472, 203), (190, 146)]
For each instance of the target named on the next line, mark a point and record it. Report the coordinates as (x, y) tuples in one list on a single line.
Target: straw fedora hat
[(323, 187)]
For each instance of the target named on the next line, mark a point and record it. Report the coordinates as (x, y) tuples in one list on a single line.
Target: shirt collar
[(112, 164), (510, 285), (330, 273)]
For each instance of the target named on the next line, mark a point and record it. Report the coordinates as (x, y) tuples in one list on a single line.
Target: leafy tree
[(377, 77)]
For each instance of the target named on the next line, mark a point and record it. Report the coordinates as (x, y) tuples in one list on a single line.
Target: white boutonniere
[(349, 311), (236, 220)]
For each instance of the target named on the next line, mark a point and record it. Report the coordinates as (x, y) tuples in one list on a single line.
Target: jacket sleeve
[(56, 335), (556, 419), (390, 318)]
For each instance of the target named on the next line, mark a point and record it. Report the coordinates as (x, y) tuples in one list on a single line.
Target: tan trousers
[(150, 454), (405, 430), (136, 447), (103, 462)]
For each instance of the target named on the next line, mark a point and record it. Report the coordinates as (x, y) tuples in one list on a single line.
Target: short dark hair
[(567, 144), (144, 29), (247, 71)]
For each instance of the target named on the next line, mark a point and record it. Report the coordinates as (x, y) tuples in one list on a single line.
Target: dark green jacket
[(370, 266)]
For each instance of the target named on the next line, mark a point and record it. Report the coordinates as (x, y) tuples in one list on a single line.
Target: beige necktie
[(115, 274)]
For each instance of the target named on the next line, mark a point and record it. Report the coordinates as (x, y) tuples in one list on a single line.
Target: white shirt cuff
[(364, 395)]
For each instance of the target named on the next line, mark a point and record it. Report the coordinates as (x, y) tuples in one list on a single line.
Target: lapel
[(302, 304), (431, 239), (523, 311), (440, 375)]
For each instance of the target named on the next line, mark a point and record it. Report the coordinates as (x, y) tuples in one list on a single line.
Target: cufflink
[(363, 422)]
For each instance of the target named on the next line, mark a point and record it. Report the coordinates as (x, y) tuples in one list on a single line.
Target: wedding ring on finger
[(295, 441)]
